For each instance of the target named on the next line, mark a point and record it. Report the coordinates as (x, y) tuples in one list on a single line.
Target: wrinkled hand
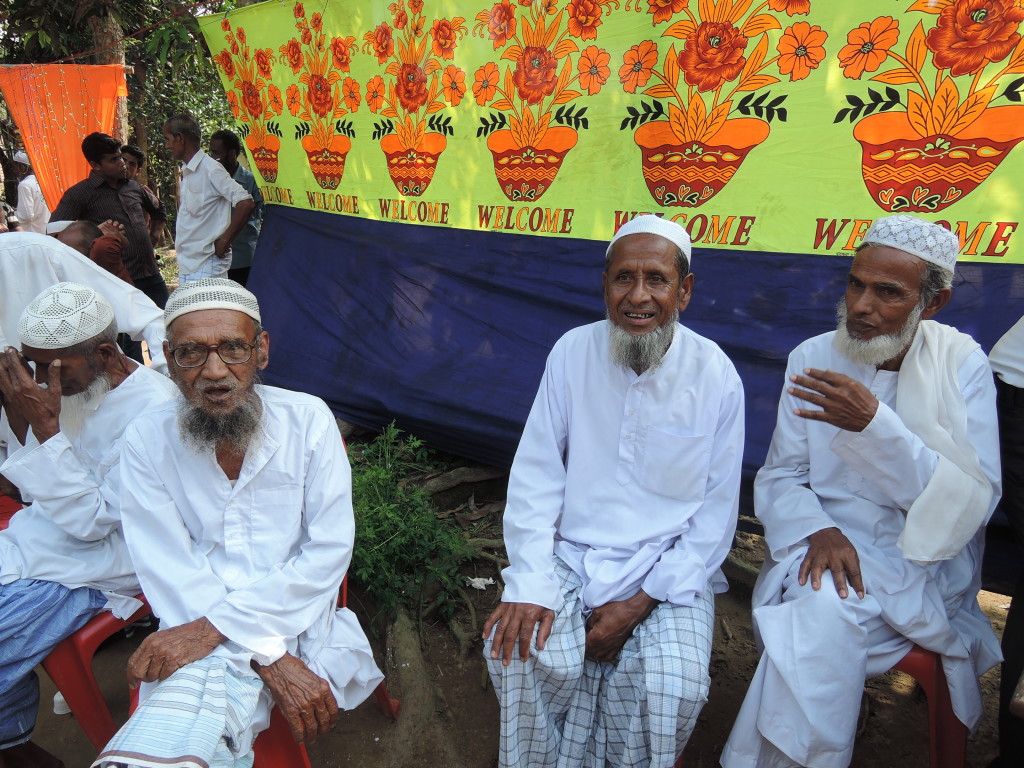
[(222, 247), (612, 624), (830, 550), (516, 621), (25, 401), (844, 403), (111, 227), (304, 699), (165, 652)]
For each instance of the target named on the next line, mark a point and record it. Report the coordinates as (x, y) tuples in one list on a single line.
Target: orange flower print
[(411, 87), (299, 11), (401, 19), (584, 19), (868, 45), (637, 64), (227, 64), (350, 92), (292, 53), (972, 33), (550, 6), (264, 58), (234, 48), (383, 44), (415, 5), (417, 26), (319, 92), (664, 9), (225, 25), (801, 49), (294, 99), (444, 39), (791, 7), (341, 52), (593, 68), (317, 22), (251, 99), (233, 103), (502, 24), (241, 35), (485, 83), (453, 82), (375, 93), (536, 74), (274, 99), (307, 36), (713, 55)]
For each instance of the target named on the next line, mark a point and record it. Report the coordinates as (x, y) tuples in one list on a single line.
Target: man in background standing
[(225, 148), (108, 193), (32, 211), (212, 207)]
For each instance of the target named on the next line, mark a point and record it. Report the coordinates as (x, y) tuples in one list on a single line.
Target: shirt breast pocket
[(277, 523), (676, 465), (198, 197)]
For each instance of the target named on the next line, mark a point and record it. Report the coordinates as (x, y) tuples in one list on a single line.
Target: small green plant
[(404, 555)]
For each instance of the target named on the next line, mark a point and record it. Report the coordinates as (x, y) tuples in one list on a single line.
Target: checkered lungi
[(34, 617), (560, 710), (215, 266), (196, 718)]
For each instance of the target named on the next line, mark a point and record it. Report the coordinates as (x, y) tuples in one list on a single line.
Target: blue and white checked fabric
[(34, 617), (560, 710), (214, 266), (193, 719)]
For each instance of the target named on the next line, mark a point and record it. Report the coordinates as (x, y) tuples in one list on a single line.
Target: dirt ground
[(450, 717)]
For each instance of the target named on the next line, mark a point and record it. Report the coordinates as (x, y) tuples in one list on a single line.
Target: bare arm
[(239, 217)]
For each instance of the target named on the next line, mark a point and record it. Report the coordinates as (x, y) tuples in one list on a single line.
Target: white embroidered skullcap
[(654, 225), (21, 157), (56, 227), (917, 237), (63, 315), (210, 293)]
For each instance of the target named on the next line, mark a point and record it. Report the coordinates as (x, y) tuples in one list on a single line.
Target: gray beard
[(76, 409), (202, 431), (640, 353), (878, 350)]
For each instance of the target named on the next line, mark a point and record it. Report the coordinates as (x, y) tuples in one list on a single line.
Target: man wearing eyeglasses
[(240, 547)]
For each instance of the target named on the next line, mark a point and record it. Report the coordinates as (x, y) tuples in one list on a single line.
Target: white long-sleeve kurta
[(632, 480), (71, 532), (29, 263), (263, 559), (817, 476)]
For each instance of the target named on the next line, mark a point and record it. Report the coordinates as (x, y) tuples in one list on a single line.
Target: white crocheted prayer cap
[(654, 225), (21, 157), (917, 237), (63, 315), (210, 293)]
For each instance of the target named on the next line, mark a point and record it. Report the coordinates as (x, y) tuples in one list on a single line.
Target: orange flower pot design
[(907, 173), (265, 156), (327, 163), (412, 169), (526, 173), (689, 175)]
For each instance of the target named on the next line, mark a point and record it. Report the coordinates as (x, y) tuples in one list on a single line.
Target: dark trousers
[(155, 288), (1010, 402), (239, 275)]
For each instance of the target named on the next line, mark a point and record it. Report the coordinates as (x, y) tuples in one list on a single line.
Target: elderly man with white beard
[(241, 549), (883, 471), (622, 505), (63, 558)]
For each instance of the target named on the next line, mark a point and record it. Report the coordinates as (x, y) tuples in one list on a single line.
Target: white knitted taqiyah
[(63, 315), (210, 293), (917, 237), (21, 157), (654, 225)]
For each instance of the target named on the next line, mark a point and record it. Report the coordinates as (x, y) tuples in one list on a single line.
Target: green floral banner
[(784, 125)]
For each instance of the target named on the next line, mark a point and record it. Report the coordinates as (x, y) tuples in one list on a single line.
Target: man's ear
[(263, 351), (685, 291), (94, 165), (939, 300)]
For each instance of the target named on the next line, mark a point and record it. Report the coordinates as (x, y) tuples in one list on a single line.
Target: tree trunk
[(108, 36)]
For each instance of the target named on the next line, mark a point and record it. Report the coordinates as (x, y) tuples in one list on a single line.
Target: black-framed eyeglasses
[(231, 352)]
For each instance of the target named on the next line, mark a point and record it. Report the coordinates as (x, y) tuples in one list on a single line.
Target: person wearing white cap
[(881, 475), (622, 504), (63, 558), (241, 548), (32, 210)]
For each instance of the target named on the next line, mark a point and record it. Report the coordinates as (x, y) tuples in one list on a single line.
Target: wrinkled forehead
[(883, 263), (211, 326)]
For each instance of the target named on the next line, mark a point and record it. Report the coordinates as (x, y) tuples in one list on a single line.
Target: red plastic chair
[(8, 507), (275, 747), (389, 706), (947, 736), (69, 665)]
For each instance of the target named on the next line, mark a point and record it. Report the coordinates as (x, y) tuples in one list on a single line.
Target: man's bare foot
[(28, 755)]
